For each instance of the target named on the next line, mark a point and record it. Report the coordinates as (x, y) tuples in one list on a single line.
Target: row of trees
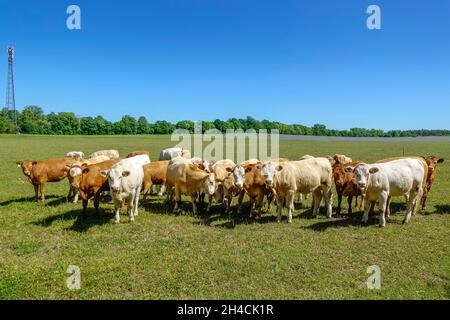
[(33, 120)]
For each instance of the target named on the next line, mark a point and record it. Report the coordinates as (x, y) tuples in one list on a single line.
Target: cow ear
[(19, 164), (248, 169), (85, 170), (258, 167), (104, 173), (126, 173), (279, 168), (34, 163), (68, 166), (228, 169), (441, 160), (373, 170)]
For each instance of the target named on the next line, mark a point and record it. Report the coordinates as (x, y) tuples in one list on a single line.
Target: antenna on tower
[(10, 94)]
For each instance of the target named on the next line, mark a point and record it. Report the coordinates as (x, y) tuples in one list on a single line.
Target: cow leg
[(194, 200), (328, 195), (76, 195), (97, 204), (259, 205), (270, 198), (290, 201), (117, 210), (36, 192), (411, 203), (136, 201), (42, 192), (368, 207), (384, 202), (349, 201), (240, 199), (388, 207), (300, 199), (338, 209), (85, 204), (317, 200), (177, 198), (280, 201), (130, 205), (71, 193)]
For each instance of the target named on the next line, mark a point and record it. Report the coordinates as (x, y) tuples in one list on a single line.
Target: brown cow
[(43, 171), (92, 183), (154, 173), (137, 153), (346, 186), (255, 186), (432, 162)]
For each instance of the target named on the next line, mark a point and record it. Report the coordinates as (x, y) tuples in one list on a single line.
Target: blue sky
[(292, 61)]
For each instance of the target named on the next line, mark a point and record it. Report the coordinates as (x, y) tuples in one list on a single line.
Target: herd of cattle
[(176, 174)]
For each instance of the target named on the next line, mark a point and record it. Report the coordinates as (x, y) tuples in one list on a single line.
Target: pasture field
[(167, 256)]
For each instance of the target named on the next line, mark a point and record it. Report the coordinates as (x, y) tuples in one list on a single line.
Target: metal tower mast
[(10, 95)]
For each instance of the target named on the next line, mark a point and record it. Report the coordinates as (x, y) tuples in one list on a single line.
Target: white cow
[(125, 180), (171, 153), (403, 177), (305, 176), (111, 154), (79, 155)]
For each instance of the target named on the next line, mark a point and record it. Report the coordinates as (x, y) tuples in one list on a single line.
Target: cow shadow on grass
[(231, 221), (26, 199), (80, 224), (158, 206), (441, 209)]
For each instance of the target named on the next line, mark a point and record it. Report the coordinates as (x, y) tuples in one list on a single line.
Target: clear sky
[(293, 61)]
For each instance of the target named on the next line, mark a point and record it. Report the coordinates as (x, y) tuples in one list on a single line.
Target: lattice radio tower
[(10, 94)]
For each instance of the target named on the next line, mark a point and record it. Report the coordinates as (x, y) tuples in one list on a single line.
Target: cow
[(137, 153), (43, 171), (75, 170), (91, 183), (171, 153), (112, 154), (222, 170), (305, 176), (346, 186), (249, 179), (339, 158), (188, 179), (202, 163), (154, 174), (79, 155), (379, 181), (125, 180), (425, 166), (432, 162)]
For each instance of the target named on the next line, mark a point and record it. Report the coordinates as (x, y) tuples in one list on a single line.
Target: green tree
[(143, 127)]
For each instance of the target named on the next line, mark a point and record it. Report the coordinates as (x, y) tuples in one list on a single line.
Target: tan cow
[(432, 162), (154, 174), (43, 171), (186, 178), (92, 183), (305, 176)]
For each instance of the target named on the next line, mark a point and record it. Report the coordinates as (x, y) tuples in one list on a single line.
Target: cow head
[(115, 175), (268, 171), (432, 162), (239, 177), (27, 166), (362, 172), (209, 184)]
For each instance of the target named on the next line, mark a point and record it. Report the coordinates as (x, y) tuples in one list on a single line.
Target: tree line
[(33, 120)]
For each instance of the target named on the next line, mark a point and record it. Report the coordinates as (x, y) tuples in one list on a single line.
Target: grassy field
[(166, 256)]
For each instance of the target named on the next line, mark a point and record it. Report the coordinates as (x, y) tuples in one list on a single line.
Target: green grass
[(166, 256)]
